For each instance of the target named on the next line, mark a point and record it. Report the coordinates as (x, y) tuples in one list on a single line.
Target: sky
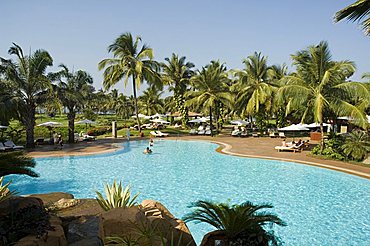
[(77, 33)]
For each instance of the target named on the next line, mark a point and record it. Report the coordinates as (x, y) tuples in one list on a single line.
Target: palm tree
[(356, 12), (130, 61), (72, 90), (176, 74), (123, 106), (210, 89), (150, 101), (29, 83), (357, 145), (16, 163), (240, 221), (254, 86), (8, 104), (320, 85)]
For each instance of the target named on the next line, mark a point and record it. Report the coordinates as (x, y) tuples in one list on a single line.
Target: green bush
[(332, 150)]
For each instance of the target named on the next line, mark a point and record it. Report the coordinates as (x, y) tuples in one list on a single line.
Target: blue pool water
[(321, 207)]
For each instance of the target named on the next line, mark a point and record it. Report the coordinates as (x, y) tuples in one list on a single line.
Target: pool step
[(153, 212)]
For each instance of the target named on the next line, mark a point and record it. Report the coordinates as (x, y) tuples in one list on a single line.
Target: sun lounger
[(11, 145), (193, 131), (281, 135), (244, 134), (208, 132), (88, 137), (161, 134), (272, 135), (154, 134), (3, 147), (236, 133), (255, 134), (293, 148), (201, 132)]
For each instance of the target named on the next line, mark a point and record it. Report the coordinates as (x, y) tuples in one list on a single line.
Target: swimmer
[(147, 151)]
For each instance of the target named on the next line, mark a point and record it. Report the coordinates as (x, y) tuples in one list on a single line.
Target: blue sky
[(77, 33)]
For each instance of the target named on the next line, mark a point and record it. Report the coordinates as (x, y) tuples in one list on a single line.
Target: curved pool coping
[(226, 149), (223, 148)]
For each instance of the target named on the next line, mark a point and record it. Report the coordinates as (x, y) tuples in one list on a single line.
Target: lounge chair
[(208, 132), (4, 148), (201, 132), (281, 135), (193, 131), (272, 135), (11, 145), (86, 137), (244, 134), (293, 148), (177, 126), (236, 133), (161, 134), (255, 134), (154, 134)]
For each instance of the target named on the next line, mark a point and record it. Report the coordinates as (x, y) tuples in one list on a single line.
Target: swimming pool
[(321, 207)]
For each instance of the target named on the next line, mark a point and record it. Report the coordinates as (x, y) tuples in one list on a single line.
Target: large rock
[(14, 204), (53, 237), (84, 207), (53, 197), (85, 230), (213, 237), (151, 216)]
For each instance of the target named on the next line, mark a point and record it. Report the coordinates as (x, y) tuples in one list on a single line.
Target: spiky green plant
[(4, 191), (121, 241), (237, 220), (357, 145), (117, 196)]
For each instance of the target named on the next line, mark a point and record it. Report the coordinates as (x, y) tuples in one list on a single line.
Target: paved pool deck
[(262, 147)]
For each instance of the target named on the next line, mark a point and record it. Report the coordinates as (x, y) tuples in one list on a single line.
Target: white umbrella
[(50, 124), (239, 122), (157, 115), (199, 120), (160, 121), (313, 125), (86, 121), (140, 116), (294, 128)]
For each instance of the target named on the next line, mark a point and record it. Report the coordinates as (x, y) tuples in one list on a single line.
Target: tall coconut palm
[(16, 163), (320, 85), (151, 101), (30, 85), (210, 89), (356, 12), (176, 74), (254, 85), (130, 61), (240, 222), (72, 90)]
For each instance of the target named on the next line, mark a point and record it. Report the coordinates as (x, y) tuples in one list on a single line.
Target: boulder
[(85, 230), (53, 237), (52, 197), (84, 207), (151, 217), (63, 204), (15, 203)]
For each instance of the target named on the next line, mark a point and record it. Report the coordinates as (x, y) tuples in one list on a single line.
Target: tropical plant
[(130, 61), (210, 89), (356, 145), (5, 193), (239, 221), (150, 101), (320, 85), (8, 105), (116, 196), (29, 84), (16, 163), (72, 90), (357, 11), (176, 74)]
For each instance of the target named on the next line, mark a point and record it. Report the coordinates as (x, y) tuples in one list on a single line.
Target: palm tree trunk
[(136, 107), (322, 136), (71, 125), (210, 120), (29, 122)]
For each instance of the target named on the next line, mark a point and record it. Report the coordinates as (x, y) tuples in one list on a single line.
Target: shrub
[(356, 146), (332, 150), (117, 196), (5, 194)]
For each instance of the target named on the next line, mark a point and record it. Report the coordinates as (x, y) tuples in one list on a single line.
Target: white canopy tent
[(294, 128), (50, 124), (160, 121), (239, 122)]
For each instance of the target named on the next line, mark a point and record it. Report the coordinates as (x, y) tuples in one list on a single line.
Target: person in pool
[(147, 150), (151, 142)]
